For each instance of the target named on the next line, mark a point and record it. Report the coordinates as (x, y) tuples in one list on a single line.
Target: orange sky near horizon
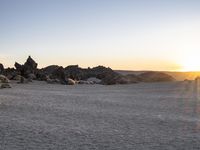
[(123, 35)]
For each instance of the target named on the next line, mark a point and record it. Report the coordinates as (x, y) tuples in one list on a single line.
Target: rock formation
[(1, 68), (74, 74), (29, 67), (59, 73), (70, 81), (4, 82), (10, 73), (44, 73)]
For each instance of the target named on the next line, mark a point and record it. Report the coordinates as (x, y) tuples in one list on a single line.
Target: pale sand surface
[(155, 116)]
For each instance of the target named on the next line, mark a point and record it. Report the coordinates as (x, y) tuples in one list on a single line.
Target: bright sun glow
[(191, 63)]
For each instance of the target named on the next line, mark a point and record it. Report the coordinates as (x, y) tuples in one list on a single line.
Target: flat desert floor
[(146, 116)]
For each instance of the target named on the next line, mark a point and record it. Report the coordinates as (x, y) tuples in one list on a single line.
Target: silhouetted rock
[(44, 73), (76, 73), (59, 73), (155, 77), (101, 72), (18, 66), (1, 68), (29, 67), (31, 64), (10, 73), (73, 74), (107, 75)]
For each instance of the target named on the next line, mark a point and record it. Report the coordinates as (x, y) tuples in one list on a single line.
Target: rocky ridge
[(74, 74)]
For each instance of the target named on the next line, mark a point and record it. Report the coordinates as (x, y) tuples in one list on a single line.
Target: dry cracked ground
[(146, 116)]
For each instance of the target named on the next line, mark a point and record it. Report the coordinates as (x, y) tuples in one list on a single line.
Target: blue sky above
[(122, 34)]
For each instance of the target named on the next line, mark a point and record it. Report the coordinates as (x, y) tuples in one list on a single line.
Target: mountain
[(179, 76)]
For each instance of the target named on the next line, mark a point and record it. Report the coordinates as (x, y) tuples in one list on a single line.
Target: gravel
[(145, 116)]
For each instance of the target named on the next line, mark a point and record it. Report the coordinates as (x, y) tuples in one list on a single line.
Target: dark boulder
[(1, 68), (52, 74), (107, 75), (76, 73), (101, 72), (18, 66), (49, 69), (10, 73), (44, 73), (59, 73)]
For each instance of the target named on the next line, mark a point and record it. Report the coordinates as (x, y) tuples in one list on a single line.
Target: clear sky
[(121, 34)]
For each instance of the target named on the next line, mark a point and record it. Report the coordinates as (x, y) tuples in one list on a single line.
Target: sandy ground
[(151, 116)]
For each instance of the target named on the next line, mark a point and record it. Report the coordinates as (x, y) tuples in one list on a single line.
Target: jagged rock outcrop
[(52, 74), (31, 64), (73, 74), (155, 77), (29, 67), (105, 75)]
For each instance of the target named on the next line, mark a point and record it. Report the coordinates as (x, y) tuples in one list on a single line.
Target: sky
[(121, 34)]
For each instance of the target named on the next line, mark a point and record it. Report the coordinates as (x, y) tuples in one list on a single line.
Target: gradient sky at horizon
[(121, 34)]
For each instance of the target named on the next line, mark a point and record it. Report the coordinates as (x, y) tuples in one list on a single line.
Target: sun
[(191, 63)]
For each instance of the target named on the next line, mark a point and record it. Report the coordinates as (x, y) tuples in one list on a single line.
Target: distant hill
[(180, 76)]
